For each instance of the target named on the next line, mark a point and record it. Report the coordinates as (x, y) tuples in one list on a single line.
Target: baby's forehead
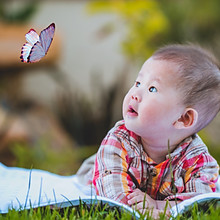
[(160, 69)]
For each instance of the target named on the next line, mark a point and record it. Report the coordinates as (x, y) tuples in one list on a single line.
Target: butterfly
[(37, 46)]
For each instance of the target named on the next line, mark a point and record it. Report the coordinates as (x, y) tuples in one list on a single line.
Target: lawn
[(105, 212)]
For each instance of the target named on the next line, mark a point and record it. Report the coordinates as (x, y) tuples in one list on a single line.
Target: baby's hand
[(141, 201)]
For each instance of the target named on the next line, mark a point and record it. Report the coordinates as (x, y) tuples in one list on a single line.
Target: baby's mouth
[(131, 110)]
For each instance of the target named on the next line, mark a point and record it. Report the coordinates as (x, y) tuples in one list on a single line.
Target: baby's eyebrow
[(156, 79), (140, 74)]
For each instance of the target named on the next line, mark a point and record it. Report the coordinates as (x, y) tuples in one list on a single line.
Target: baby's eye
[(137, 84), (152, 89)]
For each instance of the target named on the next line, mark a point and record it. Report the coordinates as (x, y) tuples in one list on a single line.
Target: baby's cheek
[(156, 112), (150, 114)]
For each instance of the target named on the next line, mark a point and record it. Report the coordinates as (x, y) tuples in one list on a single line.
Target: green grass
[(64, 161), (100, 211), (209, 211), (80, 212)]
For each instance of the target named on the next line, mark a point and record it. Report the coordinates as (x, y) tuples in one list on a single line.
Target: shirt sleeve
[(199, 177), (110, 172)]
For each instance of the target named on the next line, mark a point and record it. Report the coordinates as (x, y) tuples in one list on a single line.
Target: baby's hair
[(198, 79)]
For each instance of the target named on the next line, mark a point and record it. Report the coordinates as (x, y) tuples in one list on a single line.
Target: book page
[(21, 188)]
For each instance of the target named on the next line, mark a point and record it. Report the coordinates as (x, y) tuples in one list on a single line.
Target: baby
[(154, 154)]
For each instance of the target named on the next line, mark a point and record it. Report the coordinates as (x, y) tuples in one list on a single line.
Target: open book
[(203, 202), (24, 188)]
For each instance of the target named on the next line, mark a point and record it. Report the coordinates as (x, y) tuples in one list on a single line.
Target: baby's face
[(153, 104)]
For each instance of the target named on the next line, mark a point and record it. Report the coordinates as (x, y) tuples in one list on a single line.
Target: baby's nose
[(136, 97)]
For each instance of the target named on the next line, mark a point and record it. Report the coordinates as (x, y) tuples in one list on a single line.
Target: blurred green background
[(54, 114)]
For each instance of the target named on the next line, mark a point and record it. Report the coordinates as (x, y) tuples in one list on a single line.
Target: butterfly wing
[(25, 51), (46, 37), (36, 53), (32, 37)]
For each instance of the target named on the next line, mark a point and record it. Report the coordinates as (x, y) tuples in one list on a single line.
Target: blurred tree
[(12, 11), (144, 22), (195, 21), (150, 24)]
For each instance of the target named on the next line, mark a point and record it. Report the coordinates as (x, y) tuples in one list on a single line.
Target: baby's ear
[(187, 119)]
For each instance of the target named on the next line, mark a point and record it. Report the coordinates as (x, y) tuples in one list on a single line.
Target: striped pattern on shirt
[(121, 165)]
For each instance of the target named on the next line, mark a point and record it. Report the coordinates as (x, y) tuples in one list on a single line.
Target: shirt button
[(107, 172), (153, 171)]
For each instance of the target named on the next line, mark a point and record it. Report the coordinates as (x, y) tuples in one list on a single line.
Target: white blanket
[(21, 188)]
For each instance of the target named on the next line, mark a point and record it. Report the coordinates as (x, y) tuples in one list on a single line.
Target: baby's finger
[(135, 200), (156, 214), (142, 211), (140, 206), (136, 192), (151, 212)]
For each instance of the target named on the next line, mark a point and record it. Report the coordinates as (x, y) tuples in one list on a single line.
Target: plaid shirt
[(121, 165)]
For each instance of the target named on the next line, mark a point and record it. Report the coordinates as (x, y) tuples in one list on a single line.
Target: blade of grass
[(39, 198), (28, 190), (172, 177), (54, 195)]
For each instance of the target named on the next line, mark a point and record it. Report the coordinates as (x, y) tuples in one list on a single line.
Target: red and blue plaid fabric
[(121, 165)]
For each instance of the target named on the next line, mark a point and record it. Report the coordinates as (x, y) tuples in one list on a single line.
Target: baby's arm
[(110, 178)]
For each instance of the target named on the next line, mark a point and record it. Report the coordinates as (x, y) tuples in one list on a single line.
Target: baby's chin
[(129, 126)]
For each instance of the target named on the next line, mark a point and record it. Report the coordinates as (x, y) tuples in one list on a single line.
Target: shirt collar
[(180, 147)]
